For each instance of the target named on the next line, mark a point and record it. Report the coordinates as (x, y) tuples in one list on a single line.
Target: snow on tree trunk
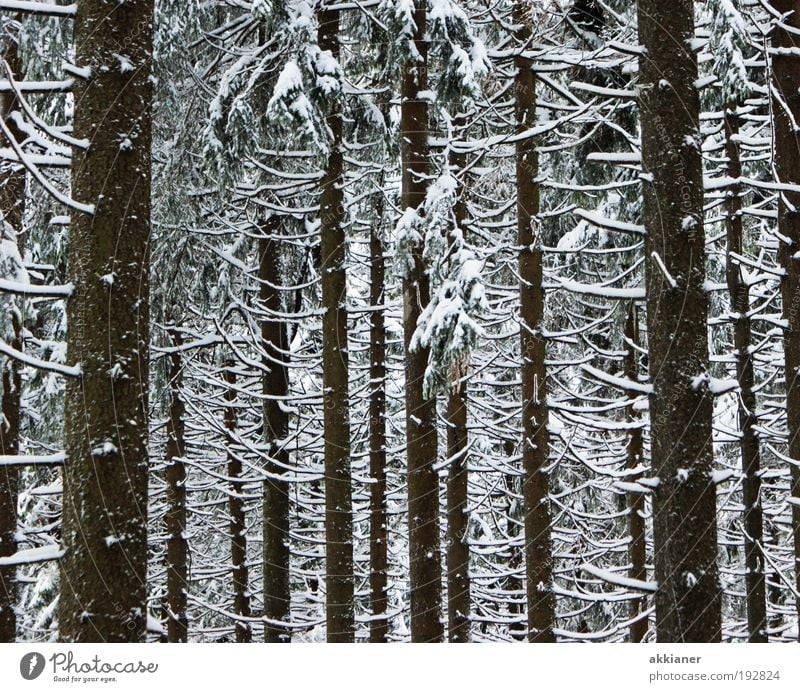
[(421, 435), (12, 240), (339, 579), (535, 442), (378, 516), (175, 518), (785, 75), (275, 388), (753, 523), (105, 480), (684, 503)]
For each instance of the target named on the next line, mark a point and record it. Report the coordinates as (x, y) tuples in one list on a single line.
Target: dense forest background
[(389, 320)]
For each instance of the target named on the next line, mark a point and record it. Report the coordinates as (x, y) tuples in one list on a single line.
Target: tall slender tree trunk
[(275, 388), (177, 544), (535, 442), (103, 594), (458, 584), (684, 504), (238, 526), (335, 378), (637, 548), (378, 517), (12, 208), (785, 81), (425, 560), (753, 520), (515, 588)]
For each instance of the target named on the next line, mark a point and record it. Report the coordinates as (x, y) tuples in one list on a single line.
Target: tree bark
[(378, 517), (12, 208), (637, 548), (535, 442), (238, 526), (753, 520), (275, 387), (684, 504), (458, 583), (175, 519), (103, 594), (335, 377), (425, 559), (785, 80)]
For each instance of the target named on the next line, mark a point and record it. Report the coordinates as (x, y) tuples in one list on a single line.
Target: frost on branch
[(729, 43), (447, 325), (12, 269)]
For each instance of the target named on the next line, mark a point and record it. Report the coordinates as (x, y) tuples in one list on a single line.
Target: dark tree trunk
[(637, 548), (104, 571), (335, 378), (175, 519), (755, 584), (535, 442), (786, 81), (425, 560), (12, 208), (275, 387), (515, 588), (684, 504), (238, 526), (458, 585), (378, 518)]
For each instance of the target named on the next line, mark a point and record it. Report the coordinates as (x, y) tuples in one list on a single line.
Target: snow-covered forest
[(400, 320)]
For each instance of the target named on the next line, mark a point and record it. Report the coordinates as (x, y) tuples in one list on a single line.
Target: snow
[(105, 449), (125, 64), (46, 8), (33, 555), (662, 267), (603, 291), (33, 459), (619, 580)]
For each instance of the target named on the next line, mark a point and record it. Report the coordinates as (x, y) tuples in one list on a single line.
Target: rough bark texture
[(786, 81), (684, 504), (105, 477), (275, 387), (637, 548), (425, 558), (458, 585), (378, 519), (535, 443), (753, 520), (339, 580), (175, 519), (12, 207), (237, 525)]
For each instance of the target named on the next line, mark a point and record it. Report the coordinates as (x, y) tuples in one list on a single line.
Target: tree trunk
[(378, 518), (458, 584), (785, 76), (421, 436), (755, 584), (104, 571), (535, 442), (335, 377), (515, 586), (238, 527), (637, 548), (684, 504), (275, 387), (12, 208), (177, 544)]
